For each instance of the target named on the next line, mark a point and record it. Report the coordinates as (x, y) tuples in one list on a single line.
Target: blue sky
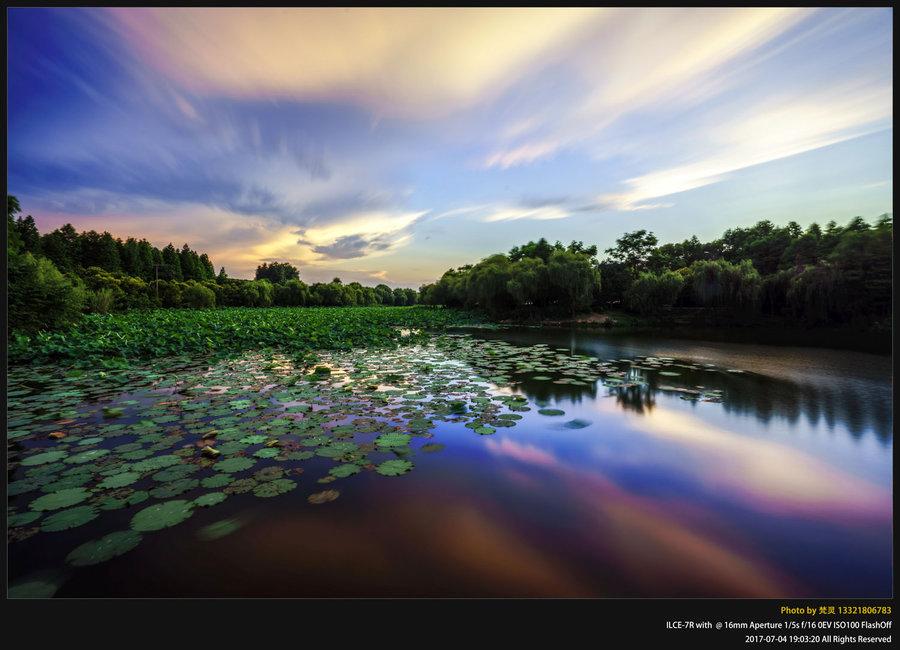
[(390, 145)]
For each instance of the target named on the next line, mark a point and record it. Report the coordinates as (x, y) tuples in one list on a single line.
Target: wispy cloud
[(413, 62)]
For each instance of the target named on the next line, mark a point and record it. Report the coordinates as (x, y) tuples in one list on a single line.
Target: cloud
[(411, 62), (633, 60), (521, 155), (363, 234), (772, 131), (350, 246)]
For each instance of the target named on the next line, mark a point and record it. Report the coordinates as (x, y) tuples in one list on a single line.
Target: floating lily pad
[(162, 515), (274, 488), (217, 481), (236, 464), (323, 497), (105, 548), (41, 585), (60, 499), (345, 470), (393, 440), (71, 518), (394, 467), (551, 412), (210, 499), (43, 458), (119, 480), (157, 462)]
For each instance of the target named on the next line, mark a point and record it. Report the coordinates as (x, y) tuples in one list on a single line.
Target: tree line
[(818, 276), (55, 277), (834, 275)]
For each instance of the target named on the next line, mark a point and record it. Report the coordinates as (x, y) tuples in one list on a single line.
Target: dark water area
[(779, 485)]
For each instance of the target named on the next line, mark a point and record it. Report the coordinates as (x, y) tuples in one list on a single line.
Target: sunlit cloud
[(419, 62), (767, 133), (640, 59)]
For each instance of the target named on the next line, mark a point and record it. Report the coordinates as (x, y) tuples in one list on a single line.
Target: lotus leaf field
[(134, 335)]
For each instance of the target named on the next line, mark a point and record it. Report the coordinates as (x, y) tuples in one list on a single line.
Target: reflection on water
[(836, 387), (770, 482)]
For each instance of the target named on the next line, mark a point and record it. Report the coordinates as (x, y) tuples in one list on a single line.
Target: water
[(780, 488)]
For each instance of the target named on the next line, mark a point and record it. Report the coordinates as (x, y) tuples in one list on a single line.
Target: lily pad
[(210, 499), (551, 412), (393, 440), (394, 467), (274, 488), (345, 470), (105, 548), (162, 515), (44, 458), (119, 480), (323, 497), (71, 518), (236, 464), (60, 499)]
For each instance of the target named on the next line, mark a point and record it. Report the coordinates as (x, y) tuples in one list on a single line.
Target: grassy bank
[(157, 333)]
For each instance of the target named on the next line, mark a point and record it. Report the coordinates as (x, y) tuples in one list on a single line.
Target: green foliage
[(535, 278), (40, 296), (725, 285), (156, 333), (197, 296), (277, 272)]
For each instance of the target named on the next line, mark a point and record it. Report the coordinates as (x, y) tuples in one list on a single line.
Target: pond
[(498, 463)]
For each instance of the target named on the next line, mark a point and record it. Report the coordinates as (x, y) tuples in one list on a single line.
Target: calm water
[(782, 489)]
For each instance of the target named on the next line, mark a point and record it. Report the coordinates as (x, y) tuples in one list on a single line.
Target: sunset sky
[(391, 145)]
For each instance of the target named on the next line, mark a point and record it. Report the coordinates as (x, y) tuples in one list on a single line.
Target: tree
[(277, 272), (574, 281), (28, 234), (13, 241), (722, 284), (172, 262), (209, 271), (653, 293), (62, 247), (633, 249), (540, 249), (191, 269), (40, 297), (384, 294)]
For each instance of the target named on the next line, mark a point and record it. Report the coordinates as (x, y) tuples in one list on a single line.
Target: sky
[(389, 145)]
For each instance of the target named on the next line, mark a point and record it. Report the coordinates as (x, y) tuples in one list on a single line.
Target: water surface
[(673, 476)]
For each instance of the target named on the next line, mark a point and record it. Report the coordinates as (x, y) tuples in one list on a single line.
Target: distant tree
[(385, 294), (62, 247), (209, 271), (191, 269), (653, 293), (172, 261), (277, 272), (633, 249), (28, 234)]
